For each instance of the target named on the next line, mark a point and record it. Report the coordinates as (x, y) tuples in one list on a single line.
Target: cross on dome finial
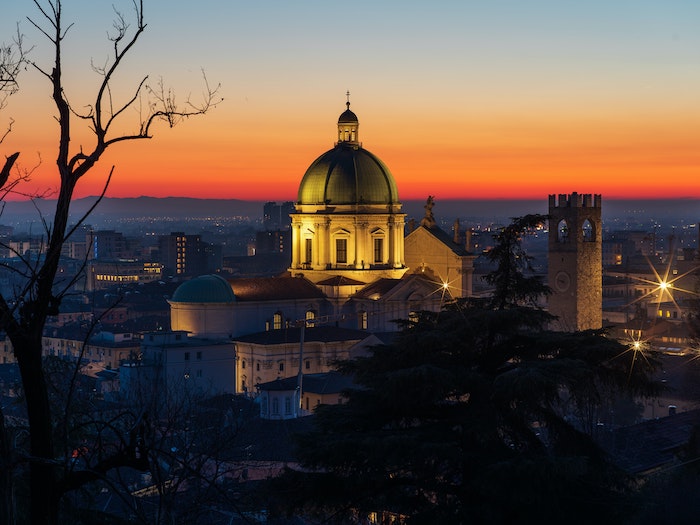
[(348, 102)]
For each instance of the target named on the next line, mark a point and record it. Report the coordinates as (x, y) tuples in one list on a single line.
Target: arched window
[(277, 321), (562, 231), (588, 231)]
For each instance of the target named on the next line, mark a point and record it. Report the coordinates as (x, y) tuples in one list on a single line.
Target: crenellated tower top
[(575, 200)]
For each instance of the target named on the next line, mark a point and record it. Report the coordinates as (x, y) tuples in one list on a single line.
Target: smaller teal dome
[(204, 289)]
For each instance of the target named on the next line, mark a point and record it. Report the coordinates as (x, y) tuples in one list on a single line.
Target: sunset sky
[(461, 99)]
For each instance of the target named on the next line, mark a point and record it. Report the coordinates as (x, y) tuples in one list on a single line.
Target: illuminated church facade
[(353, 267)]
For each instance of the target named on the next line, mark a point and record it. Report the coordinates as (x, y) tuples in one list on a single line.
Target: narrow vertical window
[(308, 251), (341, 251), (378, 250), (362, 317), (588, 231), (562, 231), (277, 321)]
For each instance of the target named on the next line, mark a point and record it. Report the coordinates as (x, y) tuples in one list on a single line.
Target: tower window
[(277, 321), (588, 231), (562, 231), (341, 251)]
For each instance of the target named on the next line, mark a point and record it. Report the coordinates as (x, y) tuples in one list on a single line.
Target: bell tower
[(575, 258)]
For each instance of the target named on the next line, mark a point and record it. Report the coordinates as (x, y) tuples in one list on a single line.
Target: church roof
[(324, 334), (204, 289), (442, 236), (348, 174), (325, 383), (274, 288), (347, 117), (340, 280), (377, 289)]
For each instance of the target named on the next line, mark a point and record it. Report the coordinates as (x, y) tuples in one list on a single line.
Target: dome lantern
[(348, 125)]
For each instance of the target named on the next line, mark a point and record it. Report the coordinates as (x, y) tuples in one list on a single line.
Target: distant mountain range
[(685, 210)]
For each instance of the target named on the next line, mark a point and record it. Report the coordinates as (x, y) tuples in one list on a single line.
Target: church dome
[(204, 289), (348, 173)]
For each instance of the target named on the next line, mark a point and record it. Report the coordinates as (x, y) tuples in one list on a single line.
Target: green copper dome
[(204, 289), (348, 174)]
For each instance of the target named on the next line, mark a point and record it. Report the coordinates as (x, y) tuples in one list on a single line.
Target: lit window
[(277, 321), (310, 316), (363, 320)]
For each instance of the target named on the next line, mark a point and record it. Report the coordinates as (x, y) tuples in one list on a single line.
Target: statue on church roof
[(429, 220)]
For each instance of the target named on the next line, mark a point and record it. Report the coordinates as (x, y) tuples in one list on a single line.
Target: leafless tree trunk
[(23, 317)]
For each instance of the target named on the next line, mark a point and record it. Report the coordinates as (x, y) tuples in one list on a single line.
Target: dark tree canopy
[(473, 415)]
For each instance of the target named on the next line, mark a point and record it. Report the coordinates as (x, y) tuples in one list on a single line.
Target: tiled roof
[(444, 238), (274, 288), (292, 335), (377, 288), (326, 383), (340, 280), (652, 444)]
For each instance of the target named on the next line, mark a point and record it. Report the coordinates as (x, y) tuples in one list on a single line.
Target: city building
[(277, 216), (182, 254)]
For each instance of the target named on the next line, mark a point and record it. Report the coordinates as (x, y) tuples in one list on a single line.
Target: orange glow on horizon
[(263, 157)]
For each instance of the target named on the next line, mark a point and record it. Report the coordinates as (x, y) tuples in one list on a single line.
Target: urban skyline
[(460, 100)]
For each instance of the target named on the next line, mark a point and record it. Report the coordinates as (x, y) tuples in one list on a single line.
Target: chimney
[(455, 230)]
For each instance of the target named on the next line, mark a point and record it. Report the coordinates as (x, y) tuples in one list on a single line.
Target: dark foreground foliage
[(476, 414)]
